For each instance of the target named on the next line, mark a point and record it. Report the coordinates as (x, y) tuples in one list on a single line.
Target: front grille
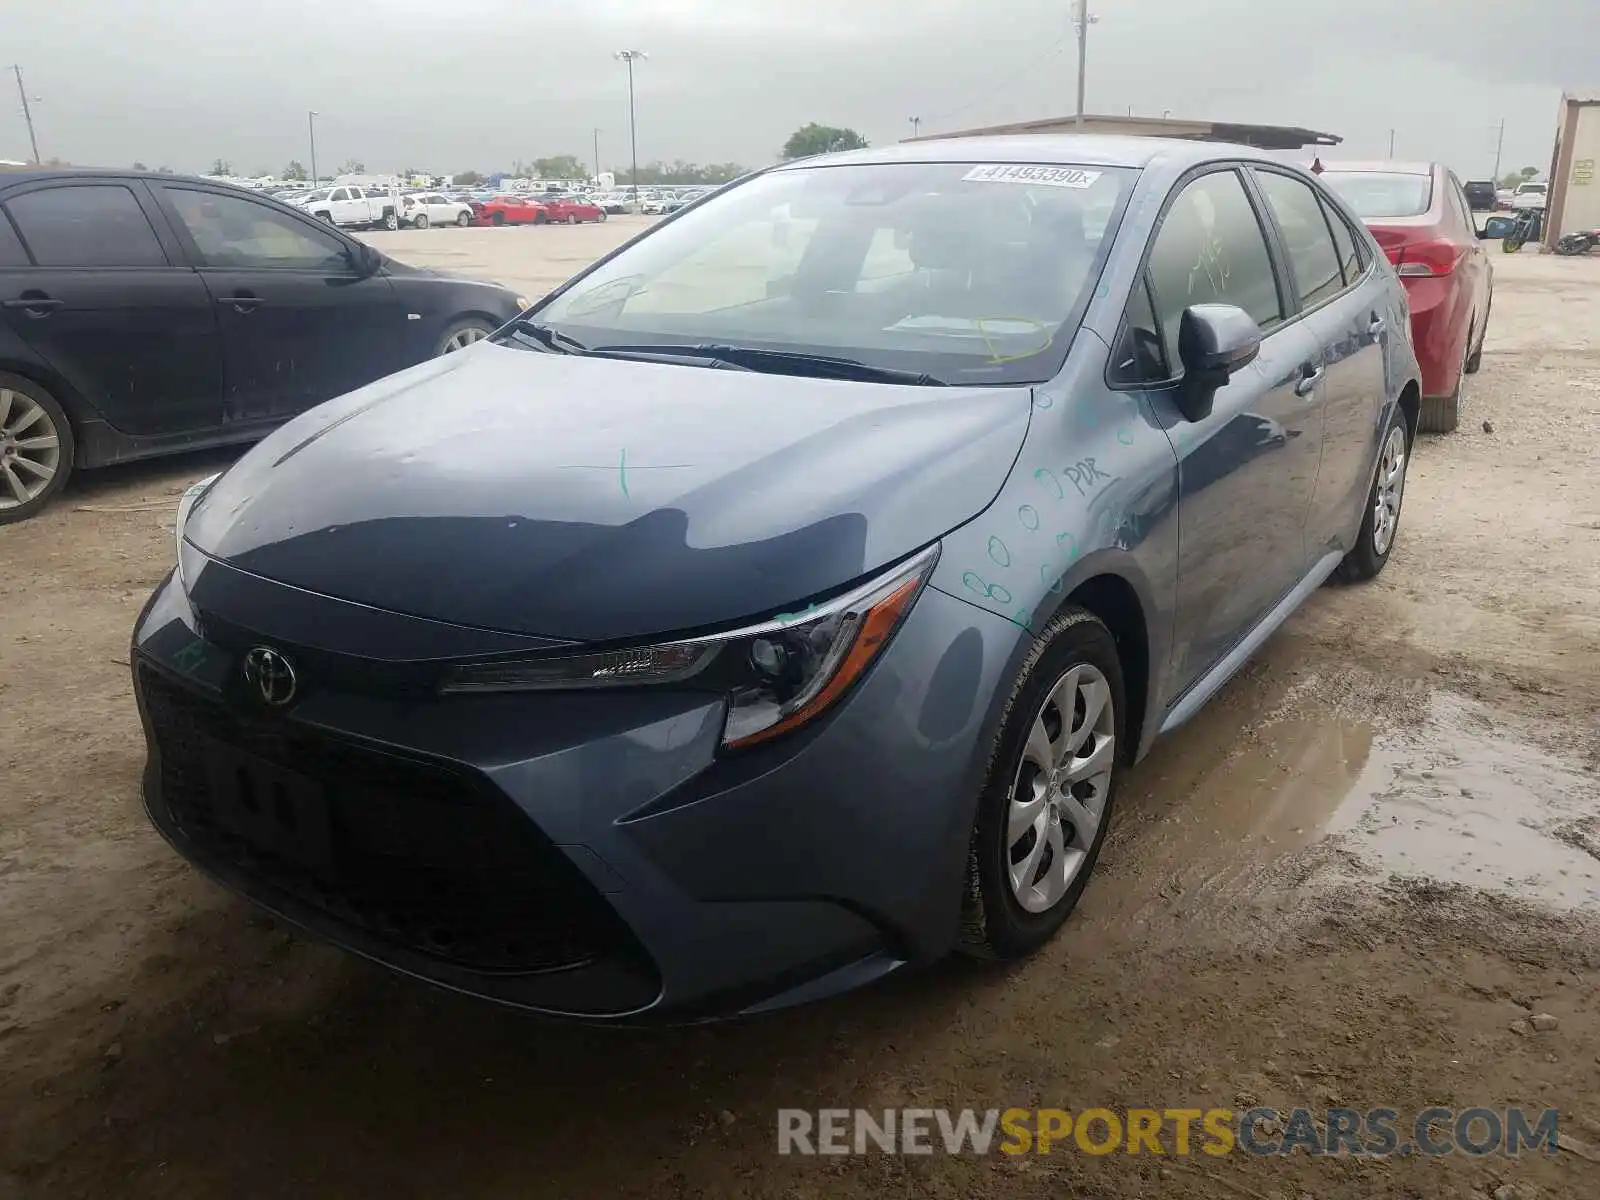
[(410, 852)]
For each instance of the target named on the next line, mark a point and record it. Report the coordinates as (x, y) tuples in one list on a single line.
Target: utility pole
[(1083, 20), (311, 127), (597, 157), (1498, 147), (27, 113), (916, 126), (628, 56), (1391, 143)]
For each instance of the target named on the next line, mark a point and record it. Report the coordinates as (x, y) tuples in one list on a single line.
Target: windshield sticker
[(1067, 177)]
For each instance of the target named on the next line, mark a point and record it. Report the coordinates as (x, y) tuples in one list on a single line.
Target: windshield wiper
[(821, 366), (549, 339)]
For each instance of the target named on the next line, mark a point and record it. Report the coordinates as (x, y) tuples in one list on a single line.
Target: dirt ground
[(1341, 884)]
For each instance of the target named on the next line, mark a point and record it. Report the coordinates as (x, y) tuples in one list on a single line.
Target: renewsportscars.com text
[(1377, 1132)]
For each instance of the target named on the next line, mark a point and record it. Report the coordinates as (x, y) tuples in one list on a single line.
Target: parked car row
[(522, 208)]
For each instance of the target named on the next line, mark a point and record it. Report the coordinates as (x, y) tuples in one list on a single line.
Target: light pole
[(1083, 20), (27, 113), (629, 57), (597, 157), (1391, 144), (1499, 146), (311, 128), (916, 126)]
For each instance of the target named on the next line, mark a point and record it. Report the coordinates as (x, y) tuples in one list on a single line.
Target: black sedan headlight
[(777, 675)]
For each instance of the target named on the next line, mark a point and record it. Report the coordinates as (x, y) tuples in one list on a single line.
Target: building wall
[(1581, 186)]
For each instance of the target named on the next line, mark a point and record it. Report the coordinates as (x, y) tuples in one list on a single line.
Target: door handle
[(1376, 328), (242, 304), (1310, 376), (34, 306)]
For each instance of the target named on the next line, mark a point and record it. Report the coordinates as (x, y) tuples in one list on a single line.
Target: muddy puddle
[(1455, 796)]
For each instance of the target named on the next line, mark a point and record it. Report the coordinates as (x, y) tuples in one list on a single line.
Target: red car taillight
[(1435, 257)]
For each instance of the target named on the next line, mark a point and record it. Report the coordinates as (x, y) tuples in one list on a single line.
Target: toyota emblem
[(271, 674)]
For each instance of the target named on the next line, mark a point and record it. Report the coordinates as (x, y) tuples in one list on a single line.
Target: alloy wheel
[(1389, 489), (30, 449), (1059, 793), (462, 338)]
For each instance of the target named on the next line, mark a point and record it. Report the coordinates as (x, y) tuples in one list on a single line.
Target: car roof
[(1381, 166), (1054, 149)]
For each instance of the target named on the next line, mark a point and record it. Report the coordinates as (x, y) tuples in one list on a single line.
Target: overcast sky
[(447, 85)]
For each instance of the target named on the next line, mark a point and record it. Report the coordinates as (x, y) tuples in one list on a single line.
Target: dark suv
[(142, 314)]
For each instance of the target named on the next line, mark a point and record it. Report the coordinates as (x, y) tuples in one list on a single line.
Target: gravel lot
[(1341, 884)]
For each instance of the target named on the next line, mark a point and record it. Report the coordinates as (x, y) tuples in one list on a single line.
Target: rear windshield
[(1377, 194), (966, 272)]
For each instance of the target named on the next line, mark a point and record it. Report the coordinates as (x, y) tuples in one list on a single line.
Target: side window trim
[(1173, 377)]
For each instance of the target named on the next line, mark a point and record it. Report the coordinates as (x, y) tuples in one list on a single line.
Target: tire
[(601, 217), (31, 416), (1475, 359), (1003, 918), (572, 218), (326, 215), (463, 219), (499, 218), (1511, 245), (1374, 544), (539, 218), (390, 219), (1442, 414), (461, 334), (421, 221)]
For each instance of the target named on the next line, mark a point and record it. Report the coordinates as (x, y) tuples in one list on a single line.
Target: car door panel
[(299, 324), (1248, 470), (127, 324)]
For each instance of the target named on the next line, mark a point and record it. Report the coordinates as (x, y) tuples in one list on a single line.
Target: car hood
[(595, 499)]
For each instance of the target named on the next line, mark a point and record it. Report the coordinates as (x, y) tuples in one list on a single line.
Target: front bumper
[(583, 854)]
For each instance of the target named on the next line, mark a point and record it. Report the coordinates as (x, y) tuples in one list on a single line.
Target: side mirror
[(1499, 227), (366, 260), (1214, 341)]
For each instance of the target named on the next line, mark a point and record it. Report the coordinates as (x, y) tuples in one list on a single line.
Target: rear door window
[(1345, 243), (97, 225), (1306, 237)]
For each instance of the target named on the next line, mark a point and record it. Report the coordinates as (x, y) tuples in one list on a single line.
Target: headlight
[(523, 304), (777, 675), (186, 504)]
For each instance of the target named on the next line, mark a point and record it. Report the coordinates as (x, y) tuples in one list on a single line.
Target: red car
[(1419, 215), (571, 210), (509, 210)]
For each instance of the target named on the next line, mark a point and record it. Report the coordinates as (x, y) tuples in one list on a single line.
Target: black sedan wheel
[(1047, 803), (462, 334), (36, 448)]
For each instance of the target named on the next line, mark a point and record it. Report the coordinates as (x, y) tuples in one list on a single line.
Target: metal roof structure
[(1262, 137)]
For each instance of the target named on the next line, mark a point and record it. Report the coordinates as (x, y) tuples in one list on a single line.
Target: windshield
[(1525, 188), (1378, 194), (963, 272)]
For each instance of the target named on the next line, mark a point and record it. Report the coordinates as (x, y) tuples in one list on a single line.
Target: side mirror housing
[(1214, 341), (366, 260), (1499, 227)]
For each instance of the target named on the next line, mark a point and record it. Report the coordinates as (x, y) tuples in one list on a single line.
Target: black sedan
[(143, 314)]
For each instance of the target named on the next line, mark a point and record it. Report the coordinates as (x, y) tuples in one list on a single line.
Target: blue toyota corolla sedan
[(779, 601)]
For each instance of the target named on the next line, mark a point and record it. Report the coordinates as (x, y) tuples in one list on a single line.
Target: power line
[(1013, 77)]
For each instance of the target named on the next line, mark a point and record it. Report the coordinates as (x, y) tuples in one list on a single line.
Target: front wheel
[(1047, 802), (420, 222), (1381, 523), (1512, 244), (36, 448), (463, 219), (466, 332), (391, 219), (602, 215)]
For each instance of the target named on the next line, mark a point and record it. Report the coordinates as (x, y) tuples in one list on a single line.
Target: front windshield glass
[(1374, 195), (969, 273)]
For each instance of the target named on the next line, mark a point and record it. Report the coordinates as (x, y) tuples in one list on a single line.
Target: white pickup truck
[(354, 206), (1529, 195)]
